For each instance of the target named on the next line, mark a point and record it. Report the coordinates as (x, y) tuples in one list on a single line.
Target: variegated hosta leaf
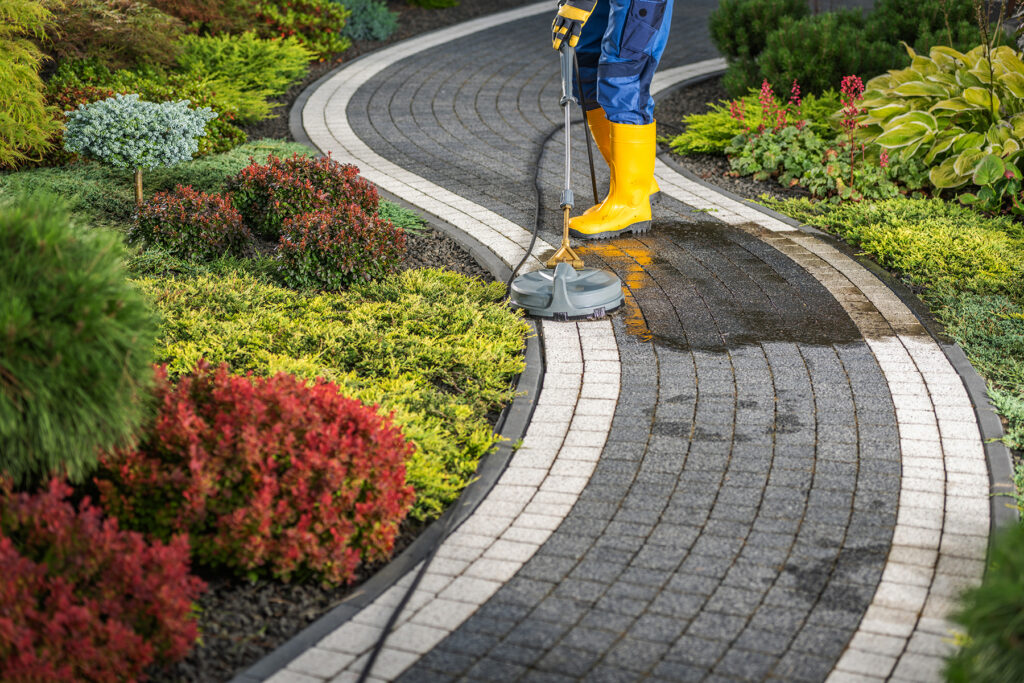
[(921, 89), (952, 104), (965, 163), (972, 140), (923, 65), (947, 56), (968, 80), (944, 176), (942, 144), (981, 97), (981, 72), (1011, 146), (948, 81), (1005, 57), (998, 133), (1017, 123), (1013, 81), (896, 136)]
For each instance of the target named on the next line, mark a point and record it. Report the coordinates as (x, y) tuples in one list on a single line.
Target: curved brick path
[(762, 468)]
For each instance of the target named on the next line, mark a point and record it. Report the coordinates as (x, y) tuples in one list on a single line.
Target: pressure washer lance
[(566, 290), (565, 253)]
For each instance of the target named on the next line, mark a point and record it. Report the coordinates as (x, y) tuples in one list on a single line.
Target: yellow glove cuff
[(574, 13)]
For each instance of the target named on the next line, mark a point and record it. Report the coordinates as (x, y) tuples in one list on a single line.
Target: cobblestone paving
[(738, 521)]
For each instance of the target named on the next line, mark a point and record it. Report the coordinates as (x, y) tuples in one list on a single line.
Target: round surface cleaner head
[(567, 294)]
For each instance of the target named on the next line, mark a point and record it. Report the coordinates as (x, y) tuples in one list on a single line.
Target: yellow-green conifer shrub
[(26, 123), (76, 344)]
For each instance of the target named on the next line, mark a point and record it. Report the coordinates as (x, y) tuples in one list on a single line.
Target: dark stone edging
[(997, 454)]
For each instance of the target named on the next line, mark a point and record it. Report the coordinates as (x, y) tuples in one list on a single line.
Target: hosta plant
[(950, 109), (999, 187), (128, 133)]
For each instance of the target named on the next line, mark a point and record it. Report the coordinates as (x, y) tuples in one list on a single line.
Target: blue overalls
[(618, 51)]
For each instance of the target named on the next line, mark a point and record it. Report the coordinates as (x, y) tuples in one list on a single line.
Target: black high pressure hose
[(393, 619)]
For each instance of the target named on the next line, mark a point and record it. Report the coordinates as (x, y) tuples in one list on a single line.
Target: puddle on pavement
[(694, 285)]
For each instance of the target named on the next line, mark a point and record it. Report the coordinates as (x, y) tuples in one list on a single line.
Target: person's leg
[(588, 54), (632, 45)]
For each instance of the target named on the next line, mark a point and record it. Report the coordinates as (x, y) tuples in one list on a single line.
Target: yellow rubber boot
[(600, 130), (628, 205)]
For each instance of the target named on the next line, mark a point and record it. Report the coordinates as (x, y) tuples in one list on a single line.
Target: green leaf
[(965, 164), (972, 140), (921, 89), (952, 104), (901, 136), (1013, 82), (941, 145), (967, 80), (989, 170), (981, 97), (967, 199), (944, 176)]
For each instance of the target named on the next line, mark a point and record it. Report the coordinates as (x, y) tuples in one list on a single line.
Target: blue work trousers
[(618, 52)]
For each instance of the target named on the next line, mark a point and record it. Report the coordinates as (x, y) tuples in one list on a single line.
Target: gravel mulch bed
[(713, 168), (240, 622)]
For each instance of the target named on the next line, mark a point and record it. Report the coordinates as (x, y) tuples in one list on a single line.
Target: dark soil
[(436, 250), (713, 168), (240, 622)]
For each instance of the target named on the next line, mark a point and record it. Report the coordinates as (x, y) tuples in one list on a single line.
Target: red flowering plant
[(83, 600), (265, 475), (332, 248), (191, 225), (268, 194)]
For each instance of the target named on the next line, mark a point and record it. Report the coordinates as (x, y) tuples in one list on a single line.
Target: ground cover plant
[(438, 349)]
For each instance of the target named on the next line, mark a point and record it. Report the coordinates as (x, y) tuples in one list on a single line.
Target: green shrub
[(76, 348), (191, 225), (98, 194), (317, 24), (370, 20), (27, 125), (335, 246), (816, 51), (931, 242), (939, 110), (157, 85), (438, 348), (118, 33), (739, 27), (993, 616), (247, 62), (405, 219), (712, 132), (922, 24)]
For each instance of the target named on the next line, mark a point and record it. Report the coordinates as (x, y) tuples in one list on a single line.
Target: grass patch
[(437, 348), (968, 269)]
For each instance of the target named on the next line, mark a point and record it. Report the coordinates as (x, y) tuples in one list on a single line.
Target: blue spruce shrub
[(126, 132), (370, 20)]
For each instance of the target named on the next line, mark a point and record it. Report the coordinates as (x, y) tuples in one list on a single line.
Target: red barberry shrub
[(332, 248), (268, 194), (191, 225), (267, 475), (81, 599)]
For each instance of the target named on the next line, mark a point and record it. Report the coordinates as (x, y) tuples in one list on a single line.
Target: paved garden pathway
[(764, 467)]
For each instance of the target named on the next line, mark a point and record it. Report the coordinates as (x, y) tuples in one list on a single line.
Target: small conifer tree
[(126, 132)]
